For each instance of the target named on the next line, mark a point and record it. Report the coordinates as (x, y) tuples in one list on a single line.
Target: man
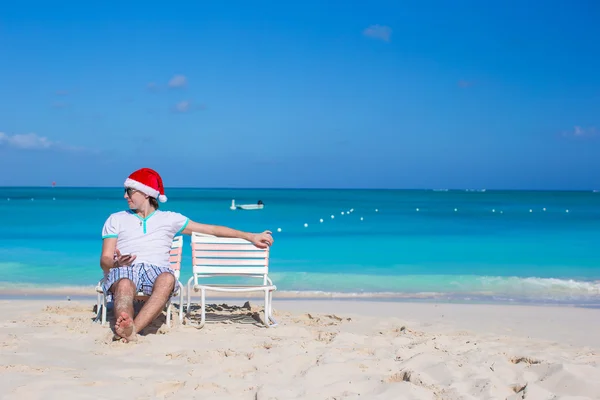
[(135, 251)]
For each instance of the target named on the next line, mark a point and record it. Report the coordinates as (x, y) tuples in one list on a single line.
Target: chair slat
[(229, 270), (218, 246), (213, 239), (177, 242), (225, 285), (228, 261), (231, 254)]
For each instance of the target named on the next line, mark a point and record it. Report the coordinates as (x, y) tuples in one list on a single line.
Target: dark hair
[(153, 202)]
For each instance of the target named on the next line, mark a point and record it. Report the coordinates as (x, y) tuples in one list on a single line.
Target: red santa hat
[(147, 181)]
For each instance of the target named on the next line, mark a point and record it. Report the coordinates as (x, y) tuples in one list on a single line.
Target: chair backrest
[(227, 256), (175, 254)]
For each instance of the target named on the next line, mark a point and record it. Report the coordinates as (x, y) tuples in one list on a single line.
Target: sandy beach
[(323, 349)]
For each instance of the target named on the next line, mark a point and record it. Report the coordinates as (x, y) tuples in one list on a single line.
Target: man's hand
[(262, 240), (123, 260)]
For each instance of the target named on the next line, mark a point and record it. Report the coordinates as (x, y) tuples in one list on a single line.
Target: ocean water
[(455, 245)]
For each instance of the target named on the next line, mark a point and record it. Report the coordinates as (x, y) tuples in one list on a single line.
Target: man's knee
[(165, 281), (124, 285), (124, 293)]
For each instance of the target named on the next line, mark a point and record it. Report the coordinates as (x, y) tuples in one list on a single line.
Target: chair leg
[(169, 313), (180, 303), (189, 296), (98, 307), (267, 309), (272, 320), (104, 307), (203, 307)]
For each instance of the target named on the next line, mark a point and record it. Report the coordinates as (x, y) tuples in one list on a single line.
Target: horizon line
[(477, 190)]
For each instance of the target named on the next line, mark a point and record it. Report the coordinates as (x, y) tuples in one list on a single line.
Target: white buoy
[(530, 210), (278, 229), (306, 225), (494, 210), (544, 208), (54, 198), (361, 218), (352, 210), (417, 209), (321, 220), (332, 216), (32, 199), (456, 209), (567, 211), (342, 213), (8, 199), (501, 212), (376, 210)]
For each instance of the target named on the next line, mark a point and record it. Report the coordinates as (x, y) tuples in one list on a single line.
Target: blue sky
[(378, 94)]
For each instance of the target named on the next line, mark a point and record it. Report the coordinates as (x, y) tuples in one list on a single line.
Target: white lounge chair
[(214, 257), (175, 260)]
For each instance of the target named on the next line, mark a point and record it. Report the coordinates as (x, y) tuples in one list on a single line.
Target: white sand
[(321, 350)]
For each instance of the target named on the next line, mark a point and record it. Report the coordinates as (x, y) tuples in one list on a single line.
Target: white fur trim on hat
[(147, 190)]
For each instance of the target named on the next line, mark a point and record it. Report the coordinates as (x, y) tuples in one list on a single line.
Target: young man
[(135, 251)]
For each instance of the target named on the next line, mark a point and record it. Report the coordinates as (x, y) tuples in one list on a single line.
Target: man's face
[(134, 198)]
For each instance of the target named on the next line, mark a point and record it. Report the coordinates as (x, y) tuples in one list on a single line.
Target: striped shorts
[(142, 275)]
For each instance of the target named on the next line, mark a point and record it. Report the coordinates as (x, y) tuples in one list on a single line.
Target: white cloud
[(183, 106), (380, 32), (579, 132), (178, 81), (32, 141), (25, 141)]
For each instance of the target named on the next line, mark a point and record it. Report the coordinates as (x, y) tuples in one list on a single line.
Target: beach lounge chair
[(214, 257), (175, 260)]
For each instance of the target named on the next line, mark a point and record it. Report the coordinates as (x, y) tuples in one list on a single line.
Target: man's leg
[(123, 294), (161, 291)]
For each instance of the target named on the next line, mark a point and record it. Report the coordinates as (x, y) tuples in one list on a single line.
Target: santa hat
[(147, 181)]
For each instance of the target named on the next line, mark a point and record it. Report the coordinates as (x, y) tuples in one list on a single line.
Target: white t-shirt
[(149, 239)]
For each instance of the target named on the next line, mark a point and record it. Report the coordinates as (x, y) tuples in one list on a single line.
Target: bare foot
[(124, 327)]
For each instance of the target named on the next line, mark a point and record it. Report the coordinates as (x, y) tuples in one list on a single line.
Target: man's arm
[(107, 259), (259, 239)]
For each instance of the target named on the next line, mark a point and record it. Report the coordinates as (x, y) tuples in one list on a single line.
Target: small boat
[(258, 206)]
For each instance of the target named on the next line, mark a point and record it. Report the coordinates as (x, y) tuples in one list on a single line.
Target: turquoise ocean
[(443, 245)]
